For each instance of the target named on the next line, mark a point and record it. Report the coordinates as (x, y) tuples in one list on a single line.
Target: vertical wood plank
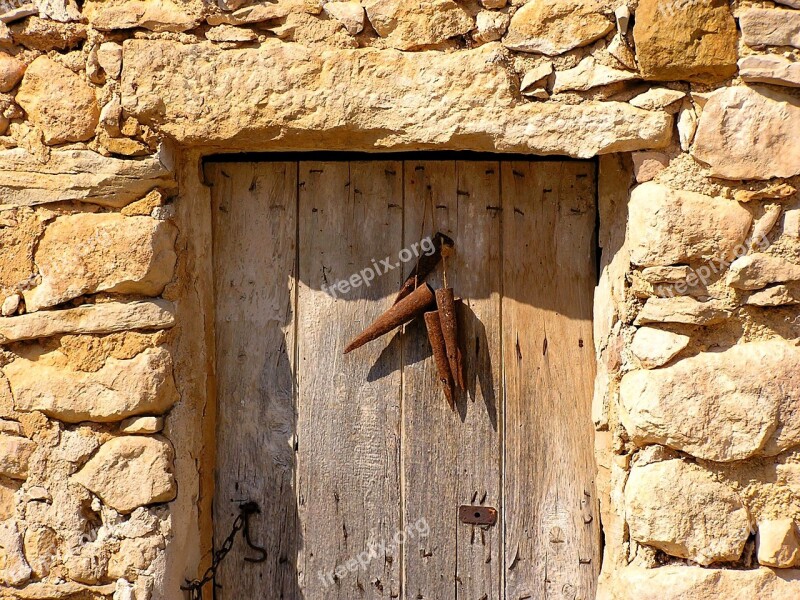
[(254, 208), (349, 406), (429, 426), (552, 529), (477, 277), (453, 458)]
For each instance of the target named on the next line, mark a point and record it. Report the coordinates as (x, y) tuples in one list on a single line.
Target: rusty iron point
[(435, 337), (398, 314), (447, 316), (425, 265)]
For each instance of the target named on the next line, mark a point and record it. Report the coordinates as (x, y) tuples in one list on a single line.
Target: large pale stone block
[(693, 40), (749, 133), (756, 271), (302, 98), (156, 15), (681, 509), (774, 69), (87, 253), (408, 24), (682, 309), (770, 27), (121, 388), (79, 175), (678, 582), (58, 101), (556, 26), (667, 226), (719, 406), (108, 317), (130, 471), (776, 295)]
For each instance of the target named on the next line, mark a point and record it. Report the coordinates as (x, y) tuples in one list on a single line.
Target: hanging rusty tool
[(447, 316), (425, 265), (413, 305), (435, 337)]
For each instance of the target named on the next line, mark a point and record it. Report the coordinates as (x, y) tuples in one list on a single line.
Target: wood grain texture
[(349, 406), (254, 206), (454, 458), (551, 521), (344, 452)]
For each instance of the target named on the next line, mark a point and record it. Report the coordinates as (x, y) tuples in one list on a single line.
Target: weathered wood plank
[(552, 548), (349, 406), (477, 273), (429, 425), (453, 458), (254, 206)]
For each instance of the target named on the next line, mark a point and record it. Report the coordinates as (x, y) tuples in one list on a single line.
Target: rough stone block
[(681, 509), (155, 15), (108, 317), (553, 27), (777, 543), (776, 295), (770, 27), (142, 425), (655, 347), (756, 271), (130, 471), (749, 133), (777, 70), (15, 452), (667, 226), (408, 24), (693, 40), (11, 71), (120, 389), (682, 309), (472, 101), (58, 102), (79, 175), (86, 253), (718, 406)]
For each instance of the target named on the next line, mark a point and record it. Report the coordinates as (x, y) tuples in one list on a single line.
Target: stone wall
[(106, 391)]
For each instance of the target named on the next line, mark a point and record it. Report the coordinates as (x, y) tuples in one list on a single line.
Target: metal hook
[(247, 509)]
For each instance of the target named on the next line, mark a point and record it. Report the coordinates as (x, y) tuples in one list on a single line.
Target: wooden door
[(356, 461)]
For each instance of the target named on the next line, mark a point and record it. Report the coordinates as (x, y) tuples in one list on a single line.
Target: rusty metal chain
[(241, 523)]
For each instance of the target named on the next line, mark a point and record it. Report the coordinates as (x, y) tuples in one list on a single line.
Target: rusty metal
[(413, 305), (445, 301), (425, 266), (477, 515), (435, 337), (241, 523)]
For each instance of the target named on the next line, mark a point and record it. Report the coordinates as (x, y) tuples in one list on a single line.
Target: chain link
[(242, 522)]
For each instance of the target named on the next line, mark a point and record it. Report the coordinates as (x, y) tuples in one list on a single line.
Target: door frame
[(196, 211)]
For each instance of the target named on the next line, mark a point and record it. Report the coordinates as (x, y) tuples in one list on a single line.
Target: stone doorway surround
[(107, 391)]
